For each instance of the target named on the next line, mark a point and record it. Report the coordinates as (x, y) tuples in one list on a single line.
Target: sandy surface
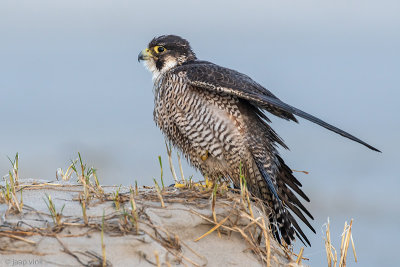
[(168, 232)]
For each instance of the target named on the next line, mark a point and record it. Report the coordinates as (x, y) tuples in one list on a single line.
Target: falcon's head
[(165, 52)]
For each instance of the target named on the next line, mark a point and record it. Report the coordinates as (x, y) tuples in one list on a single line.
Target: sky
[(70, 82)]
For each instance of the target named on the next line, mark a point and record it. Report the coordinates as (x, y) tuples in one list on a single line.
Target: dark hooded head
[(165, 52)]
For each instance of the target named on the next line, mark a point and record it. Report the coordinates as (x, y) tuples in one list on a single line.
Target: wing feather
[(216, 78)]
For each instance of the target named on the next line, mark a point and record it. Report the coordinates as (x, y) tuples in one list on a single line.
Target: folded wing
[(216, 78)]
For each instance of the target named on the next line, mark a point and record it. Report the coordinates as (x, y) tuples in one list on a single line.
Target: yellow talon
[(209, 184), (178, 185)]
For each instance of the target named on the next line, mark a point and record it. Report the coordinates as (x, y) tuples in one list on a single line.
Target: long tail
[(276, 190)]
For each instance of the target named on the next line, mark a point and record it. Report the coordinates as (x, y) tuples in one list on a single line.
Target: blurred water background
[(70, 81)]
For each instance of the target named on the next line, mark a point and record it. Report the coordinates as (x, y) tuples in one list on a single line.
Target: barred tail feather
[(281, 199)]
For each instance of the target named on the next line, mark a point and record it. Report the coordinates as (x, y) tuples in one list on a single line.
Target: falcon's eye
[(159, 49)]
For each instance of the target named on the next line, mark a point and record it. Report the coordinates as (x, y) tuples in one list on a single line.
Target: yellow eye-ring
[(159, 49)]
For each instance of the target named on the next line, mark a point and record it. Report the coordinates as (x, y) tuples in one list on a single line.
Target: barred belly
[(205, 126)]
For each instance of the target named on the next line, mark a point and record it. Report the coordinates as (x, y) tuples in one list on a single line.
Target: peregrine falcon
[(216, 117)]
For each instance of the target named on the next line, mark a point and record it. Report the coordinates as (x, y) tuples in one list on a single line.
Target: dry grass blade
[(354, 248), (300, 256), (214, 199), (66, 250), (178, 254), (162, 172), (213, 229), (346, 236), (15, 173), (157, 258), (56, 216), (331, 252), (16, 202), (18, 238), (134, 212), (67, 175), (116, 198), (103, 246), (159, 193), (83, 205), (267, 242), (180, 167), (305, 172), (171, 166), (342, 243), (244, 192)]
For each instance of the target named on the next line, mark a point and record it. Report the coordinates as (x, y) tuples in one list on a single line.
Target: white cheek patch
[(169, 63), (151, 66)]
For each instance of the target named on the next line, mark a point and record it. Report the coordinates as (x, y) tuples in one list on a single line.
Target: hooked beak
[(144, 55)]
